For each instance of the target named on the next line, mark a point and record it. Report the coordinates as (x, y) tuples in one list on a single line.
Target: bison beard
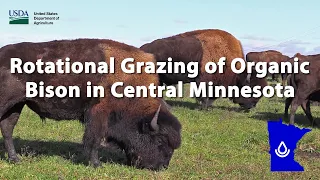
[(143, 127)]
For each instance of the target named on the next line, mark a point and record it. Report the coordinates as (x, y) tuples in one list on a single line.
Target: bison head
[(250, 80), (149, 142)]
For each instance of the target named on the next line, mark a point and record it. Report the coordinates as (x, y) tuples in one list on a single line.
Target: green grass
[(223, 143)]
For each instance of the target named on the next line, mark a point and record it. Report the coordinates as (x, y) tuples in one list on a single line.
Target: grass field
[(223, 143)]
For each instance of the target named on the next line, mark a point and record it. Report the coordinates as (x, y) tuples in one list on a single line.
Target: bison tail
[(291, 81)]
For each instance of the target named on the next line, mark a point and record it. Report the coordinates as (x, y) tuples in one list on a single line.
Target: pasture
[(223, 143)]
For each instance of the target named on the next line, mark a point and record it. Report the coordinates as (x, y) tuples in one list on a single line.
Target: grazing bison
[(205, 46), (147, 131), (268, 56), (306, 86)]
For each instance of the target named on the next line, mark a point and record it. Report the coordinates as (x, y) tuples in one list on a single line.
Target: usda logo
[(18, 17)]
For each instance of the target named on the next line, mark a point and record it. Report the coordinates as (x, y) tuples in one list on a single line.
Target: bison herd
[(143, 127)]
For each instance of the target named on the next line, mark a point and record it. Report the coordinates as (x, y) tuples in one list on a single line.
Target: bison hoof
[(95, 164), (314, 124), (14, 160)]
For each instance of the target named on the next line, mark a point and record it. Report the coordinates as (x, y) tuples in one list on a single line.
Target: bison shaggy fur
[(306, 86), (204, 46), (143, 127), (268, 56)]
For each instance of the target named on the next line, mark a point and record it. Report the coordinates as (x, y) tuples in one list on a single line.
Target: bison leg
[(283, 78), (210, 102), (300, 98), (7, 124), (96, 128), (287, 104), (199, 101), (306, 108), (296, 102), (205, 103)]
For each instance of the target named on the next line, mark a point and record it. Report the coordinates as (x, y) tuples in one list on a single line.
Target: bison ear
[(154, 122)]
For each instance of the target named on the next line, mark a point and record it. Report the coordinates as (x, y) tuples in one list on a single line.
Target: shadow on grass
[(194, 106), (299, 119), (308, 155), (235, 109), (181, 103), (68, 150)]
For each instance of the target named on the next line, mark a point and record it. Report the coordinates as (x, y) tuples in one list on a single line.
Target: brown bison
[(147, 131), (285, 75), (205, 46), (268, 56), (306, 86)]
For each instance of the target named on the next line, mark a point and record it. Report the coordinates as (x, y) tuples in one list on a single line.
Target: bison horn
[(248, 78), (154, 121)]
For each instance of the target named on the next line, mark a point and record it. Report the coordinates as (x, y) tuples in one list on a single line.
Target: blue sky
[(286, 26)]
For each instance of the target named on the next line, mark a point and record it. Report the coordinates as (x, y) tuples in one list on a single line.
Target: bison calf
[(307, 88), (143, 127)]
